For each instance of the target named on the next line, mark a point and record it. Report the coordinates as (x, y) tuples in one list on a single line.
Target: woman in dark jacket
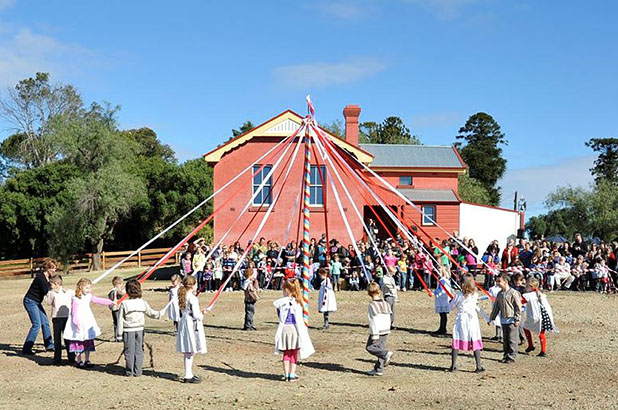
[(33, 304)]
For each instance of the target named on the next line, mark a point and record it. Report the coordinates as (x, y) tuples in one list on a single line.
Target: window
[(405, 180), (264, 196), (429, 215), (316, 185)]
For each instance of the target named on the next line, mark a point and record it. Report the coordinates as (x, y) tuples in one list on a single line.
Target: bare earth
[(240, 370)]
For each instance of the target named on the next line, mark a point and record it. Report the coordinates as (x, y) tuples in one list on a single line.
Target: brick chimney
[(351, 114)]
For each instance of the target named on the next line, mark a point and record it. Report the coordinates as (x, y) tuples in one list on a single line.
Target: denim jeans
[(38, 318)]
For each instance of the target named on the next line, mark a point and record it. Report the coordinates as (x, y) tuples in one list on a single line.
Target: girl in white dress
[(326, 300), (81, 328), (539, 316), (466, 332), (292, 335), (173, 312), (190, 338), (443, 289)]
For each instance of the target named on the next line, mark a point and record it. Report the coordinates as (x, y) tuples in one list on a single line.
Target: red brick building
[(427, 175)]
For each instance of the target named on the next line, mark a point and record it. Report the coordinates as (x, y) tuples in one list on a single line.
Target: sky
[(547, 71)]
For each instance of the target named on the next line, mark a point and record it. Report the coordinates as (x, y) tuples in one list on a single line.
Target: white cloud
[(322, 74), (24, 53), (445, 9), (534, 184)]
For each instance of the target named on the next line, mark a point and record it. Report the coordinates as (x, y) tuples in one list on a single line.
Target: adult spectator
[(509, 252), (33, 304), (525, 255), (578, 247)]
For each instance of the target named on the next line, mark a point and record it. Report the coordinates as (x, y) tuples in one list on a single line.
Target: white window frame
[(257, 200), (434, 216), (317, 184)]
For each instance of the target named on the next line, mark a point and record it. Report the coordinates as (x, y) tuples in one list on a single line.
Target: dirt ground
[(240, 370)]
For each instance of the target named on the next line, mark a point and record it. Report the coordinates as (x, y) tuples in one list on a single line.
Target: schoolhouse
[(426, 175)]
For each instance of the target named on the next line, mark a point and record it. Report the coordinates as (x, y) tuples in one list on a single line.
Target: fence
[(147, 257)]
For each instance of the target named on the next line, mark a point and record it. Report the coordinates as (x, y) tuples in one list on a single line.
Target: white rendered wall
[(485, 224)]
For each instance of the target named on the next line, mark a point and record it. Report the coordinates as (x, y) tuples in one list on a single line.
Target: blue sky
[(193, 70)]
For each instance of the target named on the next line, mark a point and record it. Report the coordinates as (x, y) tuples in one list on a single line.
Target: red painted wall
[(233, 162), (238, 159)]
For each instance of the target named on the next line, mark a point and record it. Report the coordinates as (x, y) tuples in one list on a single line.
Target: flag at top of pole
[(310, 106)]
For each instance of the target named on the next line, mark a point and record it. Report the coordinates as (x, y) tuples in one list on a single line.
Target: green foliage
[(390, 131), (26, 201), (482, 152), (106, 189), (28, 109), (246, 126), (336, 127), (471, 190), (606, 164), (592, 212)]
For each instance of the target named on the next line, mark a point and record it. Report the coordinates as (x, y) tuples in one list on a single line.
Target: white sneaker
[(389, 356), (374, 372)]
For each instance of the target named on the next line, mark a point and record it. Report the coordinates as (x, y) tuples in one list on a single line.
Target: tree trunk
[(97, 261)]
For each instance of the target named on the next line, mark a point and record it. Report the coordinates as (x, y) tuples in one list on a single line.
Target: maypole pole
[(306, 215)]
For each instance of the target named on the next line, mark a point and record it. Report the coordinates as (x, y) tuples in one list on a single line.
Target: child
[(389, 290), (131, 327), (60, 302), (519, 283), (379, 314), (326, 299), (493, 291), (491, 268), (402, 267), (508, 305), (217, 275), (207, 277), (250, 286), (335, 271), (539, 316), (114, 295), (442, 299), (466, 332), (292, 335), (173, 311), (190, 339), (81, 330)]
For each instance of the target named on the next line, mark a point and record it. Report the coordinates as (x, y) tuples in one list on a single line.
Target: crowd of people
[(574, 266)]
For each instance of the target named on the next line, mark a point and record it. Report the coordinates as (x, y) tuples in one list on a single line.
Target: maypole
[(306, 218)]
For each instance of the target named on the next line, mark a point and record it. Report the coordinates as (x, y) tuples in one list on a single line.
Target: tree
[(246, 126), (606, 165), (28, 109), (390, 131), (471, 190), (336, 127), (26, 201), (482, 152), (149, 145), (106, 189), (592, 212)]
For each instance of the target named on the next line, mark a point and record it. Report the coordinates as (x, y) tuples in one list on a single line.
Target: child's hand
[(205, 310)]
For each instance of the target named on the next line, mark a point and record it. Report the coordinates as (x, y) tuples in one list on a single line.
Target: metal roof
[(430, 195), (412, 156)]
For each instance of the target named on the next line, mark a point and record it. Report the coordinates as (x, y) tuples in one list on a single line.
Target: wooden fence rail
[(80, 263)]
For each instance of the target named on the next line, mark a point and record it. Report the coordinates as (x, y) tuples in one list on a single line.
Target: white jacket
[(326, 299), (379, 315), (533, 319), (284, 306)]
